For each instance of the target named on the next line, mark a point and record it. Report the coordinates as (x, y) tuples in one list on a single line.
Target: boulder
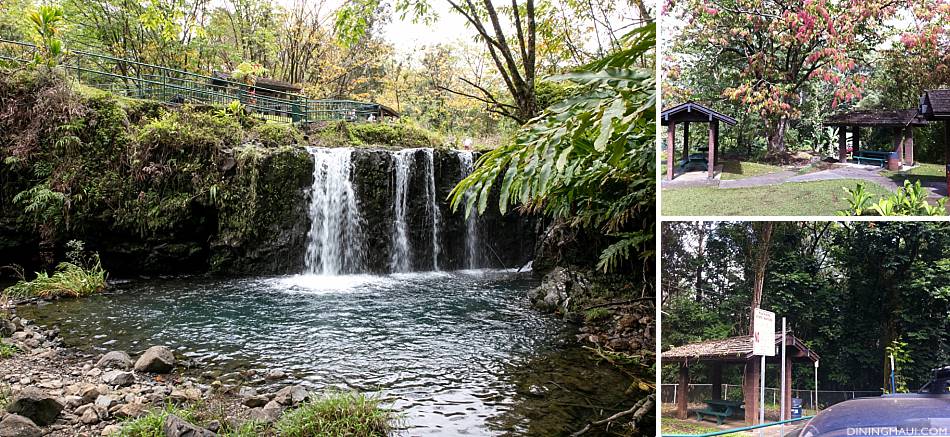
[(118, 378), (115, 360), (175, 426), (266, 415), (156, 359), (105, 401), (126, 411), (35, 405), (291, 395), (255, 401), (14, 425)]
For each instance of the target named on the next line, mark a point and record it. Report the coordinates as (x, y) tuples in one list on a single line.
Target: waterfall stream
[(467, 166), (334, 243), (352, 231), (432, 207), (401, 252)]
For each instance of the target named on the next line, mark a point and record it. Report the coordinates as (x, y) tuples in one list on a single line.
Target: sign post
[(782, 378), (816, 387), (763, 344)]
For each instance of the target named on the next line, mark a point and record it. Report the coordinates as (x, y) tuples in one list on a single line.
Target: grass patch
[(69, 280), (596, 314), (732, 170), (669, 425), (150, 425), (923, 173), (6, 395), (338, 414), (819, 198), (8, 350)]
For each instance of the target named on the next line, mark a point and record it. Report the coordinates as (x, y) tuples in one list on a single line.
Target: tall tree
[(777, 47)]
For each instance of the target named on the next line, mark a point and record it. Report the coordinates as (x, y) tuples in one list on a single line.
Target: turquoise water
[(458, 353)]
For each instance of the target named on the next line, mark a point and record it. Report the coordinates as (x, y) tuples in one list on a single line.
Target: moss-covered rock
[(276, 134), (153, 188)]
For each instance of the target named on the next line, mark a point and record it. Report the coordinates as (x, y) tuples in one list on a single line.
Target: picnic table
[(694, 161), (871, 156), (719, 408)]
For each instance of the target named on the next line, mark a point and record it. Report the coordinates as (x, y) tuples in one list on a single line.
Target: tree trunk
[(763, 242), (776, 135)]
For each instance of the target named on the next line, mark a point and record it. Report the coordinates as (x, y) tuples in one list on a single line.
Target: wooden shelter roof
[(877, 118), (694, 112), (733, 349), (935, 104)]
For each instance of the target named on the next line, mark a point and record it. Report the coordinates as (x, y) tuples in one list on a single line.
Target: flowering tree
[(920, 59), (776, 47)]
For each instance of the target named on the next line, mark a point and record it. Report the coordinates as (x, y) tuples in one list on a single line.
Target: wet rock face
[(504, 240)]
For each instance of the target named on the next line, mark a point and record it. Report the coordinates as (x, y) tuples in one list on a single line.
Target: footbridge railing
[(147, 81)]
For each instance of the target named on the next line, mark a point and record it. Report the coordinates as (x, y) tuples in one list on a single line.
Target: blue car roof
[(910, 414)]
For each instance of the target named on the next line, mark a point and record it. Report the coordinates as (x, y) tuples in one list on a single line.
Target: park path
[(861, 172)]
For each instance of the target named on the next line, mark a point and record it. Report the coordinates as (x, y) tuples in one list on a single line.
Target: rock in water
[(115, 360), (157, 359), (14, 425), (35, 405), (175, 426)]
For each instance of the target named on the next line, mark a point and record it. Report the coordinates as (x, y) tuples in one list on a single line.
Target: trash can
[(796, 408), (893, 164)]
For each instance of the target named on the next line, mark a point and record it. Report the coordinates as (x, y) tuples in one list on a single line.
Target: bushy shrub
[(276, 134), (909, 200), (399, 135), (80, 276), (338, 414)]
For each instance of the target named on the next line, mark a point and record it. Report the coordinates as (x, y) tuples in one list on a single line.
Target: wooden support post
[(750, 390), (909, 145), (899, 144), (946, 151), (716, 140), (842, 144), (855, 138), (711, 164), (670, 148), (788, 386), (715, 378), (686, 139), (682, 392)]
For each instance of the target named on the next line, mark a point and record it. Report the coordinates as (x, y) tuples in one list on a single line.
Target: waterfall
[(467, 165), (432, 207), (400, 259), (334, 243)]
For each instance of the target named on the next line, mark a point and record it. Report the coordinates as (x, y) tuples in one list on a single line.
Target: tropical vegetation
[(854, 292)]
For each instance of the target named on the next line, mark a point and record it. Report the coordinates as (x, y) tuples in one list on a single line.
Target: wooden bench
[(719, 415)]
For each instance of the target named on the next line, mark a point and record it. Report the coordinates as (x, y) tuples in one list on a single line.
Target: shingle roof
[(877, 117), (935, 104), (693, 106), (730, 349)]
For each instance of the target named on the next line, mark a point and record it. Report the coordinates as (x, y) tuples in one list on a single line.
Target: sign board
[(763, 333)]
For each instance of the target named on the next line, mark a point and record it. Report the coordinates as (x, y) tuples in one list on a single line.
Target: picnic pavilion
[(900, 123), (935, 106), (691, 112), (735, 351)]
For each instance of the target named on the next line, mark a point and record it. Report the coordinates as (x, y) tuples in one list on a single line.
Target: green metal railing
[(154, 82)]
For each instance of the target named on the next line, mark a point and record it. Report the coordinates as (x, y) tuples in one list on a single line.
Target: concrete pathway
[(839, 171)]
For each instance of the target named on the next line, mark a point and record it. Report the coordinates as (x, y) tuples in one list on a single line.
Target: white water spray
[(472, 257), (401, 251), (432, 207), (334, 243)]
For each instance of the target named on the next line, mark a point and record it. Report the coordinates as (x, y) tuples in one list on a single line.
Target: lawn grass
[(923, 173), (732, 170), (819, 198), (669, 425)]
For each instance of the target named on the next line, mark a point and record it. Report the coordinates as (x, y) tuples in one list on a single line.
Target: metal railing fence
[(154, 82), (698, 393)]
